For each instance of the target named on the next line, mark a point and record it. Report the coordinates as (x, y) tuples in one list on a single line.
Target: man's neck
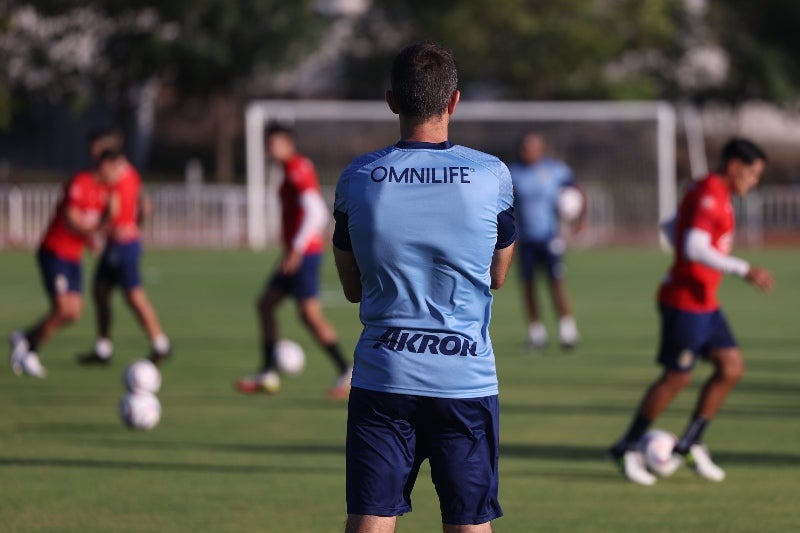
[(432, 130)]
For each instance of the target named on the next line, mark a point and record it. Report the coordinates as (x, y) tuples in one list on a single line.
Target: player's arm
[(346, 266), (78, 222), (145, 210), (503, 249), (698, 248), (349, 274), (315, 218), (669, 228)]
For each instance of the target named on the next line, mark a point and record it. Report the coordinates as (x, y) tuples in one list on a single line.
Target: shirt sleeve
[(341, 229), (706, 212), (302, 175), (506, 226), (698, 248)]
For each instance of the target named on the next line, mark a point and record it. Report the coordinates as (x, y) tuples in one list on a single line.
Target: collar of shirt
[(416, 145)]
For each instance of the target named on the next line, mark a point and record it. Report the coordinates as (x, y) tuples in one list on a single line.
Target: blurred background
[(180, 75)]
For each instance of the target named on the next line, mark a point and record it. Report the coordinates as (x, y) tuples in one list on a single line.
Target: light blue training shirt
[(536, 190), (423, 221)]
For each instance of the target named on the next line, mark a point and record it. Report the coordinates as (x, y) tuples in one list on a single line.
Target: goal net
[(622, 153)]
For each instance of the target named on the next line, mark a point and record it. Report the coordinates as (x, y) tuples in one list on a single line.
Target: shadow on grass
[(594, 454), (759, 412), (165, 466)]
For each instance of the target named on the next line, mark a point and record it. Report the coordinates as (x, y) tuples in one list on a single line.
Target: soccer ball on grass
[(290, 357), (140, 410), (656, 447), (142, 376)]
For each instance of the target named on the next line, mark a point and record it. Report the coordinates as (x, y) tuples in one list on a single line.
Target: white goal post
[(262, 207)]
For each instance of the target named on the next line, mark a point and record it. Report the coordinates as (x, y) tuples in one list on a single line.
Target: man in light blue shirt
[(538, 183), (424, 231)]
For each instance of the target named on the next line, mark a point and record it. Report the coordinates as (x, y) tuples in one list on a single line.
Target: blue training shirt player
[(426, 300), (537, 187)]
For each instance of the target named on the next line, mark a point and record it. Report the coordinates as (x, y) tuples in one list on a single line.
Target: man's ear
[(454, 99), (391, 102)]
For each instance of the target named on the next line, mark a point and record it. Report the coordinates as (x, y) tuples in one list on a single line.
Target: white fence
[(215, 216)]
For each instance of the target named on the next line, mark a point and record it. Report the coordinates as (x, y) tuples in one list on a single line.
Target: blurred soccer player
[(424, 230), (538, 181), (304, 218), (692, 324), (80, 213), (119, 263)]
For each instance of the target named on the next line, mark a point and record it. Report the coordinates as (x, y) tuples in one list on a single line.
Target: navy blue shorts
[(302, 284), (59, 275), (685, 336), (545, 254), (119, 265), (390, 435)]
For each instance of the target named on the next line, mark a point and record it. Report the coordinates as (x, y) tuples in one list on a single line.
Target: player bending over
[(692, 324), (119, 263), (80, 214), (304, 217)]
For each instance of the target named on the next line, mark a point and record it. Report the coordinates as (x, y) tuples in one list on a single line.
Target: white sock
[(537, 333), (160, 344), (104, 348), (568, 329)]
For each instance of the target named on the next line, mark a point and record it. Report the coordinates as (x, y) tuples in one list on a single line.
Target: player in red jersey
[(692, 324), (304, 216), (119, 263), (81, 213)]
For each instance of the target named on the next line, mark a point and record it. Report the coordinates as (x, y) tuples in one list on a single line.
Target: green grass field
[(220, 461)]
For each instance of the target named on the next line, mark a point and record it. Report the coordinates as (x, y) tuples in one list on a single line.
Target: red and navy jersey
[(90, 197), (691, 286), (125, 225), (299, 176)]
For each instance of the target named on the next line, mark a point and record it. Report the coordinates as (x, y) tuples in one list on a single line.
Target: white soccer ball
[(140, 410), (656, 447), (570, 203), (142, 375), (290, 357)]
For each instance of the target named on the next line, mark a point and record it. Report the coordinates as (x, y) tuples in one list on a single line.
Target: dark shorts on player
[(59, 275), (119, 265), (685, 336), (534, 255), (302, 284), (390, 435)]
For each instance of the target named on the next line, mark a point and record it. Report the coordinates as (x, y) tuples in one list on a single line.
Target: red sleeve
[(77, 192), (300, 172), (704, 213)]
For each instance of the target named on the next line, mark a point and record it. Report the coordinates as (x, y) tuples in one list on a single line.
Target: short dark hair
[(112, 134), (742, 149), (275, 128), (423, 77)]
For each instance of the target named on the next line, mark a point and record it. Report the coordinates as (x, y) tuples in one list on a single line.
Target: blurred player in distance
[(424, 231), (119, 262), (304, 217), (80, 214), (692, 323), (538, 181)]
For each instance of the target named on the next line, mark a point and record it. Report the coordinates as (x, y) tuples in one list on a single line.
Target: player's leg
[(728, 363), (462, 443), (370, 524), (63, 283), (267, 378), (681, 334), (556, 270), (136, 297), (306, 290), (537, 333), (382, 460), (105, 278)]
